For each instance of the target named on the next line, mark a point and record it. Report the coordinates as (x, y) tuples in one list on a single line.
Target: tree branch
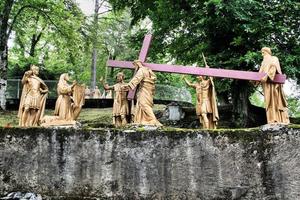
[(40, 11)]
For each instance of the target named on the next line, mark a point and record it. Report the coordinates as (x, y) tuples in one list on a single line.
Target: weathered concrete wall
[(239, 164)]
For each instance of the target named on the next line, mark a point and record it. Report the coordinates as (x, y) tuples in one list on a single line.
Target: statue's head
[(120, 76), (35, 69), (63, 77), (137, 64), (200, 78), (266, 51), (66, 77)]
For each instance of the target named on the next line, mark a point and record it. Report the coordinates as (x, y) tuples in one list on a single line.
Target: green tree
[(39, 26), (230, 33)]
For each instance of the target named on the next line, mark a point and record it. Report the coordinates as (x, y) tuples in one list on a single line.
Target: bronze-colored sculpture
[(96, 93), (33, 98), (206, 107), (120, 107), (68, 104), (87, 92), (63, 106), (145, 79), (275, 101)]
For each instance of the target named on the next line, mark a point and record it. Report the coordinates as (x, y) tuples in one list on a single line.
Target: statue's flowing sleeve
[(64, 89), (138, 77)]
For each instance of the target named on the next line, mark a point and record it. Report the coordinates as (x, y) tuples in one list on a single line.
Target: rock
[(174, 112), (22, 196), (273, 127)]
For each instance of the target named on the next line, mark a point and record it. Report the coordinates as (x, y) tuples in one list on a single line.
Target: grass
[(89, 116), (96, 117)]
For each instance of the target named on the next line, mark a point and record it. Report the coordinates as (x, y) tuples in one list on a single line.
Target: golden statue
[(33, 98), (63, 106), (120, 107), (206, 108), (87, 92), (68, 104), (96, 93), (275, 101), (145, 79)]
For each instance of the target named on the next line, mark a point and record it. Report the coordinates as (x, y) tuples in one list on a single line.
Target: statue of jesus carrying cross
[(261, 76)]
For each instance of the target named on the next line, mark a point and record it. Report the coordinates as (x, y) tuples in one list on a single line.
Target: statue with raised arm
[(120, 106), (33, 98), (144, 79), (206, 106), (275, 101)]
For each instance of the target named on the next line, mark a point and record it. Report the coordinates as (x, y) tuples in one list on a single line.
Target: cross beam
[(180, 69)]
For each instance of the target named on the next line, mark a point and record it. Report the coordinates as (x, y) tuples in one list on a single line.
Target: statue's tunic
[(120, 107), (63, 106), (143, 113), (32, 98), (206, 101), (275, 101)]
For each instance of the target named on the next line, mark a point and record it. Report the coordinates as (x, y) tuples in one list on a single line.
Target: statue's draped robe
[(120, 107), (206, 102), (143, 113), (275, 101), (63, 108), (97, 94), (32, 98), (69, 102)]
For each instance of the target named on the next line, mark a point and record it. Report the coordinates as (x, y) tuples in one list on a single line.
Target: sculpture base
[(54, 121)]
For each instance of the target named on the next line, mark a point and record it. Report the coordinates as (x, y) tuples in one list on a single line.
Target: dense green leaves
[(230, 33)]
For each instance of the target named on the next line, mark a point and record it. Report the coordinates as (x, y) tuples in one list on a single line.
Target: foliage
[(47, 33), (230, 33), (294, 107), (57, 36)]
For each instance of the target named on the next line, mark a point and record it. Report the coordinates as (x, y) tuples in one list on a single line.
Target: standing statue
[(96, 93), (275, 101), (206, 108), (145, 79), (120, 107), (33, 98), (87, 92)]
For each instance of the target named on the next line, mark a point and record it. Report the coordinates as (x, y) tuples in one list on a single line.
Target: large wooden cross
[(180, 69)]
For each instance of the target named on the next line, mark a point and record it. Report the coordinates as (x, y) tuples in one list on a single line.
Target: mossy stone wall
[(157, 164)]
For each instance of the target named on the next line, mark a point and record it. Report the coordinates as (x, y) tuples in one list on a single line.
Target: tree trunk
[(240, 100), (94, 68), (95, 41), (4, 18)]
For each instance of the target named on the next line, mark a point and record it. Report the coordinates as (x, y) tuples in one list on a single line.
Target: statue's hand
[(101, 80), (28, 73), (264, 79)]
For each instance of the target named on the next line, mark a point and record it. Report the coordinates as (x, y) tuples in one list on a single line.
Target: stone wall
[(161, 164)]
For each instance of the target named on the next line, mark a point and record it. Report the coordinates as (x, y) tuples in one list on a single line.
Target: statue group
[(33, 100), (71, 97)]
